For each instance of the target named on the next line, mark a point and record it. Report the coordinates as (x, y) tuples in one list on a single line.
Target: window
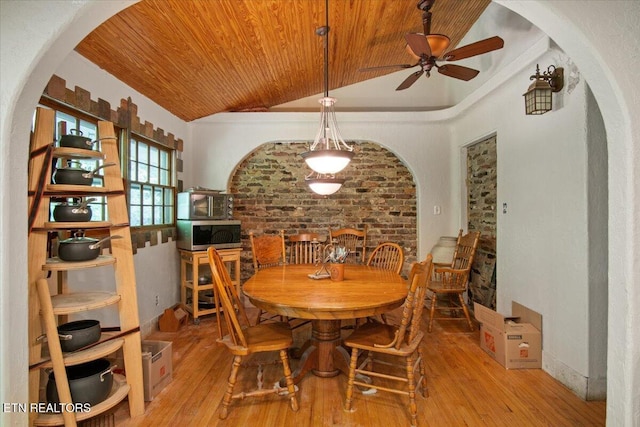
[(151, 194), (149, 173)]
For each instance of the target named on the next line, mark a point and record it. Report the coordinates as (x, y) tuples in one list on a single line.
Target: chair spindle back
[(227, 299), (304, 248), (414, 303), (388, 256)]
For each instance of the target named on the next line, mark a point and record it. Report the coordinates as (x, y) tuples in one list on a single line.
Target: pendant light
[(329, 153)]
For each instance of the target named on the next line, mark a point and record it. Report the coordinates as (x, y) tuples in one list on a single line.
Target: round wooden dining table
[(289, 291)]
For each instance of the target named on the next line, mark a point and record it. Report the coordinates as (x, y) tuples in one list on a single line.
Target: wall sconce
[(537, 99)]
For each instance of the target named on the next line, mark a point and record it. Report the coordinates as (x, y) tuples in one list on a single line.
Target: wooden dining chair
[(267, 251), (352, 239), (388, 256), (304, 248), (400, 346), (245, 340), (451, 282)]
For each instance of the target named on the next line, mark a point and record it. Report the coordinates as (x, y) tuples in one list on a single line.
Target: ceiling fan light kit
[(329, 153), (438, 43), (538, 99)]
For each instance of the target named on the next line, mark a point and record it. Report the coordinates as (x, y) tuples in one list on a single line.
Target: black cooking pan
[(80, 248), (75, 175), (76, 140), (78, 334), (89, 382), (72, 211)]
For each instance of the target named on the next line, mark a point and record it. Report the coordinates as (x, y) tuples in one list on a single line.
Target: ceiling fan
[(429, 48)]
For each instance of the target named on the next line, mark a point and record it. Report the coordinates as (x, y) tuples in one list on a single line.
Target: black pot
[(77, 140), (75, 335), (73, 212), (80, 248), (89, 382), (76, 175)]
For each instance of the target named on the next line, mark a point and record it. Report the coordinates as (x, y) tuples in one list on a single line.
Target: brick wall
[(271, 195), (482, 197)]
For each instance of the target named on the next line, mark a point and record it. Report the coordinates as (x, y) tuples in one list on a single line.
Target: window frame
[(125, 147)]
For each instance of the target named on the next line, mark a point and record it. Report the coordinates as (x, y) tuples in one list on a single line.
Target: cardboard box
[(157, 367), (514, 341)]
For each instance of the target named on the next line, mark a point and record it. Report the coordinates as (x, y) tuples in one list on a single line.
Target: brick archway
[(271, 195)]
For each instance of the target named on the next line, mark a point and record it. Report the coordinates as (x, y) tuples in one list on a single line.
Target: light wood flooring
[(466, 388)]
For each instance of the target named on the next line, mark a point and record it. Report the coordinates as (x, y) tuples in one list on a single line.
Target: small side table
[(192, 264)]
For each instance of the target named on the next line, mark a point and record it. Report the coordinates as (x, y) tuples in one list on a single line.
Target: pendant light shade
[(325, 186), (329, 153)]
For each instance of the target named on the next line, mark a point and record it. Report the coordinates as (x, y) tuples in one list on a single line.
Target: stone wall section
[(482, 181), (271, 194)]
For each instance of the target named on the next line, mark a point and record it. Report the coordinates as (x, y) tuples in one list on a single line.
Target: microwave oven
[(200, 235), (204, 205)]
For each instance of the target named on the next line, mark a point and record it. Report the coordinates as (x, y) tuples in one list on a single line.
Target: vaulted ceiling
[(196, 58)]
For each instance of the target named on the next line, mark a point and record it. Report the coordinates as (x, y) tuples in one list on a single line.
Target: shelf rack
[(46, 310)]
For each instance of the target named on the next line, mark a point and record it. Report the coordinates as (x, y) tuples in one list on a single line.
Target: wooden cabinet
[(194, 266), (47, 310)]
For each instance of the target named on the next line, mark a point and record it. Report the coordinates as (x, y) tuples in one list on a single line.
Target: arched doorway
[(379, 193), (614, 87)]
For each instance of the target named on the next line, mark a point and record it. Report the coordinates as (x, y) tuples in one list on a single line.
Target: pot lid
[(79, 239)]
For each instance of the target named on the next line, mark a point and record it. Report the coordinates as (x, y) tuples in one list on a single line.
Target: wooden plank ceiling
[(200, 57)]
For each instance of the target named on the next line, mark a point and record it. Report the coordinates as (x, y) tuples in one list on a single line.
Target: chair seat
[(444, 288), (262, 337), (371, 334)]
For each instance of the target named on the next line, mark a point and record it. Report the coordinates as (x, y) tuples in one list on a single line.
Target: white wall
[(543, 239)]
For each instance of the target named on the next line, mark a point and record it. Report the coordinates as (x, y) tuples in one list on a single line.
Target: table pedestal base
[(323, 354)]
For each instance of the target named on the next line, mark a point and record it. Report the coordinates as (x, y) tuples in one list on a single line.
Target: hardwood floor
[(466, 388)]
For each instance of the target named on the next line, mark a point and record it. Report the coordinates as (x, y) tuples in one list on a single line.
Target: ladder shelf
[(46, 310)]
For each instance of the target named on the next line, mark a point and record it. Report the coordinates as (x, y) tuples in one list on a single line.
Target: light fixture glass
[(538, 99), (329, 153), (325, 185), (438, 43)]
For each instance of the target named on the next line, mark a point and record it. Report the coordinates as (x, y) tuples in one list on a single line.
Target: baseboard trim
[(584, 387)]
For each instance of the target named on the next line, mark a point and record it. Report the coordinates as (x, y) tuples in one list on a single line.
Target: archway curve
[(379, 193), (615, 95)]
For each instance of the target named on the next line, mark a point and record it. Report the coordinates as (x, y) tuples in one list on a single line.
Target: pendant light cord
[(326, 49)]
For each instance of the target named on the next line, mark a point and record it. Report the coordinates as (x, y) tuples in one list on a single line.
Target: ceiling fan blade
[(473, 49), (381, 67), (409, 80), (457, 71), (418, 44)]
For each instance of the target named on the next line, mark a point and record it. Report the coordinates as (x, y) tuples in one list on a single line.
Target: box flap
[(527, 315), (487, 316)]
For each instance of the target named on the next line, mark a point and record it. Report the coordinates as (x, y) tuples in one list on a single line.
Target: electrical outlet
[(436, 210), (157, 300)]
